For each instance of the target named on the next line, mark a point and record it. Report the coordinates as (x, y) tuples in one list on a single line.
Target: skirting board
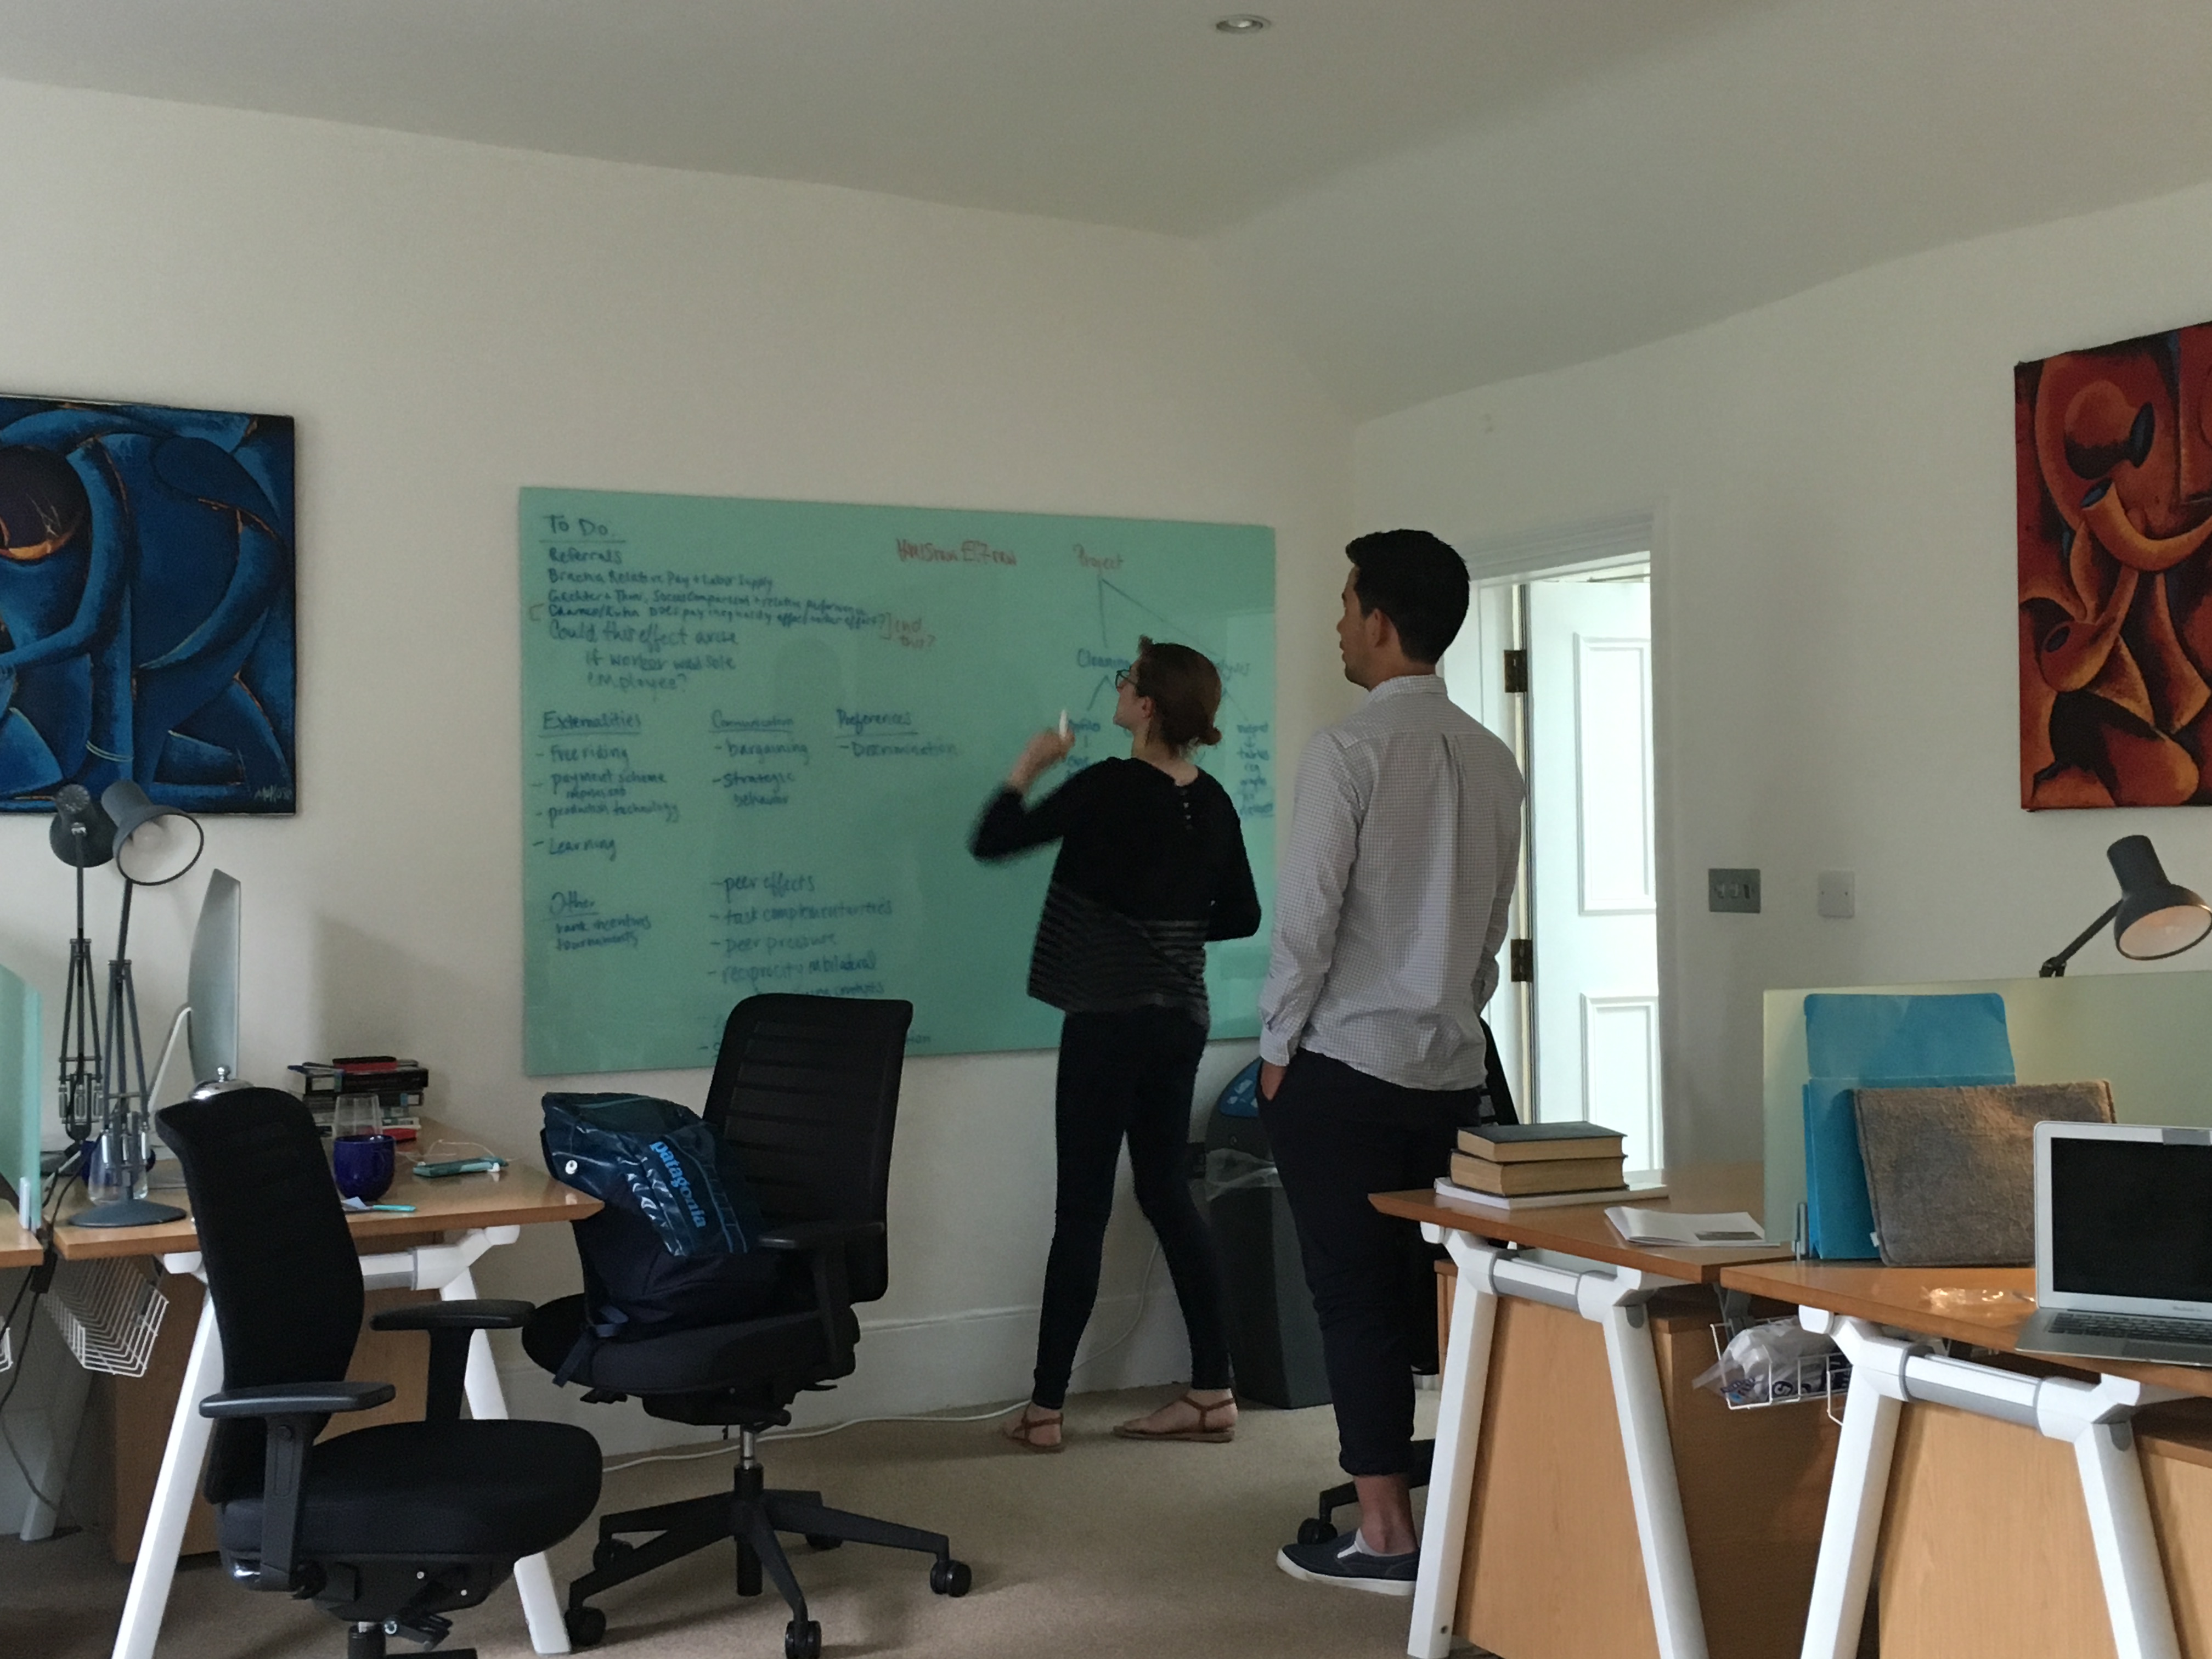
[(976, 1358)]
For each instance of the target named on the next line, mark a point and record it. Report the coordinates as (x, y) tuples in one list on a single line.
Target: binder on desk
[(1881, 1041)]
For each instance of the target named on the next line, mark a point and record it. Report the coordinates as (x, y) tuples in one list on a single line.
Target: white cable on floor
[(1144, 1299)]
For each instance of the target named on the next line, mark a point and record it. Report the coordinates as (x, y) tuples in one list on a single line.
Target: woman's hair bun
[(1185, 689)]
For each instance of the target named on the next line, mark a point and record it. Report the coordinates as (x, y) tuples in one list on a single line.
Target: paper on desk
[(1676, 1229)]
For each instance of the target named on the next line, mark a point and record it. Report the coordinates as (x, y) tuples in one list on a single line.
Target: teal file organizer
[(1890, 1042)]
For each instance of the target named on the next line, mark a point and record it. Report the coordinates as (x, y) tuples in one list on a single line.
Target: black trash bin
[(1274, 1340)]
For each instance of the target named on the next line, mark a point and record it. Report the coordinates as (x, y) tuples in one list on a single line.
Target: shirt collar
[(1409, 685)]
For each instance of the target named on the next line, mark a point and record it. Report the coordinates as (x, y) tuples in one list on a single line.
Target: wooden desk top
[(518, 1195), (1912, 1299), (1580, 1230), (19, 1245)]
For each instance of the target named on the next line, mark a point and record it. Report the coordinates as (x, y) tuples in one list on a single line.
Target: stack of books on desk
[(398, 1085), (1526, 1166)]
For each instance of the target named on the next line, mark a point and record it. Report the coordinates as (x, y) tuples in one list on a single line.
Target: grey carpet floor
[(1110, 1548)]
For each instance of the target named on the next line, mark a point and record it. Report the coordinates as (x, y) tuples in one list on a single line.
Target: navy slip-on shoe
[(1341, 1561)]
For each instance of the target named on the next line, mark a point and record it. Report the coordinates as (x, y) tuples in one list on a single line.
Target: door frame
[(1499, 567)]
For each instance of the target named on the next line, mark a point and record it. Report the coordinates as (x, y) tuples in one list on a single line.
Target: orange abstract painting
[(2115, 479)]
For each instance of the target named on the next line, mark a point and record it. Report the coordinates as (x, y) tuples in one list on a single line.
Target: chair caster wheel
[(802, 1641), (1314, 1530), (822, 1540), (951, 1577), (610, 1551), (588, 1627)]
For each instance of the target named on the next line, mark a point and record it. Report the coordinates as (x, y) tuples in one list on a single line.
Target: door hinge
[(1517, 671), (1521, 961)]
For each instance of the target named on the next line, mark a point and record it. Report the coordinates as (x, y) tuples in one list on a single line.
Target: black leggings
[(1126, 1075)]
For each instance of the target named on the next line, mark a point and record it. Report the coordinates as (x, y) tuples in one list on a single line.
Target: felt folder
[(1951, 1172)]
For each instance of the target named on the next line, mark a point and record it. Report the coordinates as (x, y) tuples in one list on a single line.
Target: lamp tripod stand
[(104, 1110)]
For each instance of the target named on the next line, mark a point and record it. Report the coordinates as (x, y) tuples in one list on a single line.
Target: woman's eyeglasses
[(1127, 676)]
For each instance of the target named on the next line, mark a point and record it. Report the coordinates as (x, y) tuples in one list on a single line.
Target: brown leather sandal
[(1203, 1430), (1023, 1430)]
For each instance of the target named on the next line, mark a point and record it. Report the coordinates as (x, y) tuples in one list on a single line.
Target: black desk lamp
[(2153, 918), (153, 846), (82, 837)]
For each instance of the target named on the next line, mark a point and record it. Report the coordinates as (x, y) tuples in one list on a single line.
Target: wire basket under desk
[(1825, 1376)]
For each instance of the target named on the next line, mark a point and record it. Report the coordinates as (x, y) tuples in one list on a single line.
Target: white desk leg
[(533, 1578), (1667, 1576), (1459, 1433), (172, 1496), (2127, 1548), (64, 1417), (1856, 1494)]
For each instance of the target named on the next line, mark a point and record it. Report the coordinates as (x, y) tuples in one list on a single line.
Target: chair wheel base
[(1314, 1530), (949, 1577), (608, 1551), (822, 1540), (802, 1641), (588, 1627)]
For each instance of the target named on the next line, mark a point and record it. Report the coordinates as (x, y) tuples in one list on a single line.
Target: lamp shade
[(81, 835), (2155, 918), (153, 843)]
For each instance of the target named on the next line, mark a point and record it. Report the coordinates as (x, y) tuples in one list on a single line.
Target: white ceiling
[(1425, 195), (1134, 112), (1794, 146)]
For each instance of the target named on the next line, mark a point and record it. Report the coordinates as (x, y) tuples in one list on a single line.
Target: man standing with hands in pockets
[(1389, 910)]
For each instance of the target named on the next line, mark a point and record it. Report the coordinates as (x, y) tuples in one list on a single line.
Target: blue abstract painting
[(146, 604)]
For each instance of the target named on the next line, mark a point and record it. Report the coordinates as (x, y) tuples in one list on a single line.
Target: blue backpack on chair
[(672, 1250)]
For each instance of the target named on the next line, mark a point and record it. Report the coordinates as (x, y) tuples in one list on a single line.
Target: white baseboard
[(976, 1358)]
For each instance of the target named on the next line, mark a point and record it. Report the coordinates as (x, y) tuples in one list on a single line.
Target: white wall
[(448, 322), (1833, 612)]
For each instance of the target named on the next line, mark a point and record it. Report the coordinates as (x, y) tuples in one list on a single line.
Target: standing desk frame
[(2093, 1417), (1612, 1299)]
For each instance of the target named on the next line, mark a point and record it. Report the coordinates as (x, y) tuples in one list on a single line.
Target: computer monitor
[(212, 990)]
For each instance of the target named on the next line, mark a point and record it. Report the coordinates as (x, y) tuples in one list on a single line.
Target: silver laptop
[(2123, 1243)]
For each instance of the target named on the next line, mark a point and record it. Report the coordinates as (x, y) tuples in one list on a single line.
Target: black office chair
[(391, 1526), (805, 1090)]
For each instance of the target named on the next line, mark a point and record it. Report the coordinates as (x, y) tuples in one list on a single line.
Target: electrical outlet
[(1732, 890), (1838, 895)]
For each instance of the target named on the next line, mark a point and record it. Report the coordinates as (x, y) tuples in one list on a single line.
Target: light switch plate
[(1732, 890), (1838, 895)]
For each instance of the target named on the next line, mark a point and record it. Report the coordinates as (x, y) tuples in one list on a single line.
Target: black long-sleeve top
[(1148, 870)]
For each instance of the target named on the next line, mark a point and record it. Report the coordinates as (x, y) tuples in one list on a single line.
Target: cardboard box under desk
[(1553, 1570)]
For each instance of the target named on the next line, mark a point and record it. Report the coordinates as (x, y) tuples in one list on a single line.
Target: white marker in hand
[(1063, 725)]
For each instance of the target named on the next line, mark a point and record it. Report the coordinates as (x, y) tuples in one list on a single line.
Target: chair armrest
[(294, 1414), (451, 1326), (816, 1234), (478, 1315), (824, 1241), (296, 1399)]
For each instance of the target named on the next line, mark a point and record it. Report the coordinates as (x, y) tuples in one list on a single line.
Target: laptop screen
[(2131, 1218)]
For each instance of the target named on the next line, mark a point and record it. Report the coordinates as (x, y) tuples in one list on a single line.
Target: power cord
[(35, 1284)]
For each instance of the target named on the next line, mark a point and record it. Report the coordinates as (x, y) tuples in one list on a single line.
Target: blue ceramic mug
[(363, 1165)]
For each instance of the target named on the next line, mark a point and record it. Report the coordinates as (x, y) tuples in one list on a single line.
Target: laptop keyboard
[(2132, 1327)]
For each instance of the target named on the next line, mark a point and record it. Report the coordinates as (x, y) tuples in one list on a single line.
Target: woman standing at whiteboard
[(1152, 866)]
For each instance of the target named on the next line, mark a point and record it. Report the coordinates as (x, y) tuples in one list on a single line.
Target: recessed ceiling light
[(1244, 22)]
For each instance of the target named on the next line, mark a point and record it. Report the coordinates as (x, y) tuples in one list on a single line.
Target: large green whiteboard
[(756, 735)]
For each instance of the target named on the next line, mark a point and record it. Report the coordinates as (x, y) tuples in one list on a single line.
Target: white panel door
[(1593, 867)]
